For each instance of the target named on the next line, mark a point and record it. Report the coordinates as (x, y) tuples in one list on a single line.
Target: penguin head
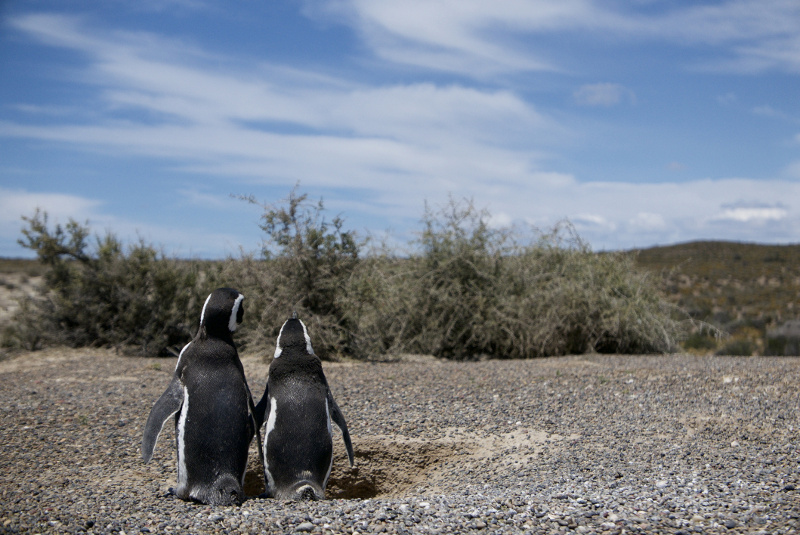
[(222, 311), (293, 336)]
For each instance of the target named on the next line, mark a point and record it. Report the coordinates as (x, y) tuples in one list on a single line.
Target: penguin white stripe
[(330, 434), (273, 414), (181, 355), (234, 312), (278, 348), (203, 313), (309, 349), (183, 476)]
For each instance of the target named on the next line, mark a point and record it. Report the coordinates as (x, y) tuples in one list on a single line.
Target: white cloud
[(602, 94), (478, 38), (280, 126), (15, 203), (649, 221), (396, 144), (61, 208), (467, 36), (747, 212), (592, 222), (500, 220), (613, 215), (755, 36)]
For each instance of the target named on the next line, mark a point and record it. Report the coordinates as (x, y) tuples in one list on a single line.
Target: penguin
[(298, 407), (213, 408)]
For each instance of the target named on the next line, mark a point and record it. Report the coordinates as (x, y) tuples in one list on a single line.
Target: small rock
[(789, 487), (730, 524), (305, 526)]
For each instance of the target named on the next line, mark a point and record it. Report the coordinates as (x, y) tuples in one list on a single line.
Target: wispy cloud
[(248, 122), (603, 94), (467, 36), (62, 208), (745, 212), (274, 126), (479, 38), (751, 37)]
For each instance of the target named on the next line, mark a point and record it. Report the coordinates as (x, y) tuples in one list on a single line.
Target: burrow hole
[(383, 469)]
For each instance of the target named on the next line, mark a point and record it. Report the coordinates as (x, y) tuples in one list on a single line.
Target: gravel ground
[(584, 444)]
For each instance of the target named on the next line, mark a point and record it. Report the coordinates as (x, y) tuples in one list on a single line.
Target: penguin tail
[(307, 491), (226, 490)]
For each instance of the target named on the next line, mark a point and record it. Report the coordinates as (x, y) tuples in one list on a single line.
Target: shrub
[(306, 267), (454, 284), (26, 331), (479, 292), (566, 299), (466, 291), (783, 340), (737, 347), (700, 341), (101, 296)]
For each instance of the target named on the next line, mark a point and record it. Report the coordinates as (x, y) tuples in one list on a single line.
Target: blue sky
[(642, 122)]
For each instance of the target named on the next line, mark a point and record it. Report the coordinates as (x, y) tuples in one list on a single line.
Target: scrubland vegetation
[(465, 291), (743, 289)]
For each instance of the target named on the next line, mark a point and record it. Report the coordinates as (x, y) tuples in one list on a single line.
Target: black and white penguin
[(213, 408), (298, 408)]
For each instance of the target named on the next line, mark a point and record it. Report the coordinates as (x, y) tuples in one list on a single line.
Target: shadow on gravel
[(384, 468)]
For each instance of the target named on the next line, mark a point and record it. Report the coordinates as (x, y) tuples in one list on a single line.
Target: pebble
[(583, 444)]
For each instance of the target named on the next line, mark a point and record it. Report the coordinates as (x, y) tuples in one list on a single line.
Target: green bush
[(737, 347), (100, 296), (27, 330), (566, 299), (466, 291), (454, 284), (480, 292), (700, 341), (308, 265)]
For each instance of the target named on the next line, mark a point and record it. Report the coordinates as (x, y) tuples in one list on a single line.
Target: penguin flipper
[(262, 409), (338, 418), (167, 405)]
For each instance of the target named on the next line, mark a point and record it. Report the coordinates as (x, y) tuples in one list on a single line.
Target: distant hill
[(743, 288), (26, 266)]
